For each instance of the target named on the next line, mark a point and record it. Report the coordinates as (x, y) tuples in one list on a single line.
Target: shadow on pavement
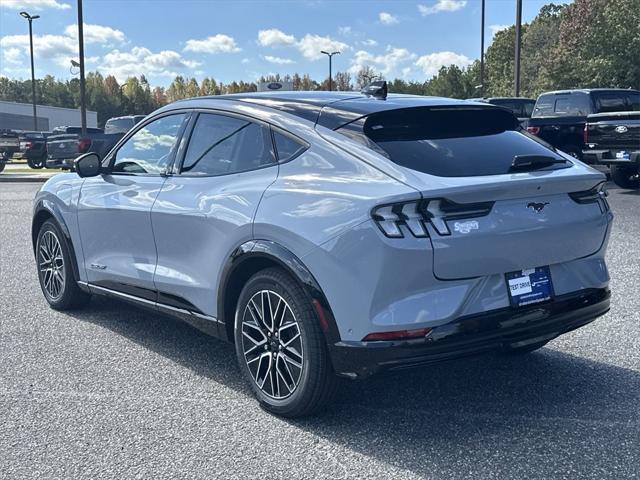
[(517, 416)]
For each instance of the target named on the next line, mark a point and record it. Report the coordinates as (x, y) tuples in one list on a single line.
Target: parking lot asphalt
[(116, 392)]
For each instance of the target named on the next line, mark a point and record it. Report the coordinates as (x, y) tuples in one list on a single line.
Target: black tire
[(621, 175), (572, 150), (316, 381), (68, 296), (36, 163), (524, 350)]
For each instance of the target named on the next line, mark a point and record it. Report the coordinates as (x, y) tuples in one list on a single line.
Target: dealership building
[(19, 116)]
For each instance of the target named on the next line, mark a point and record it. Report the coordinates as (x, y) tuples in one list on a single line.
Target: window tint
[(118, 125), (448, 142), (617, 101), (287, 147), (572, 104), (149, 149), (220, 145)]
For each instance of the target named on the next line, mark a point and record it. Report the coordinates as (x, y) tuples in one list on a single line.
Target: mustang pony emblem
[(537, 207)]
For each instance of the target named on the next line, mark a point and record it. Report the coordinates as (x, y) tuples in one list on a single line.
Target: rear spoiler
[(613, 116)]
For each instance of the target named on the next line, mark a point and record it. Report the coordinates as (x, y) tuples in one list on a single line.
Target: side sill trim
[(175, 311)]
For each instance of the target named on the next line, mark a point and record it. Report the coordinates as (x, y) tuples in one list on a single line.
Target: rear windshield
[(617, 101), (119, 125), (448, 142), (574, 104), (520, 108)]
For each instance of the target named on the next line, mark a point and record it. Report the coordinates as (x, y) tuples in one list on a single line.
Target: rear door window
[(562, 105), (449, 142), (221, 144), (617, 101)]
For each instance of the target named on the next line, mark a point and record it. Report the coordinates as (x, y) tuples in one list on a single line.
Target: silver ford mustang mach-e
[(333, 234)]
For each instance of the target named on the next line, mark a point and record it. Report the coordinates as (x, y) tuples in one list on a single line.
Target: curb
[(18, 178)]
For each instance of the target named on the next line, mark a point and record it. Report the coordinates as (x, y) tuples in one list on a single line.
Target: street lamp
[(31, 18), (83, 105), (330, 55)]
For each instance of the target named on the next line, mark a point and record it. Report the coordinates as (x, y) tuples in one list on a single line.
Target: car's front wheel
[(280, 347), (55, 270)]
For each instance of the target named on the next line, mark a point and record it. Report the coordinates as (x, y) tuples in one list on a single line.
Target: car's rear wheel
[(572, 150), (55, 270), (280, 347), (36, 163), (625, 177)]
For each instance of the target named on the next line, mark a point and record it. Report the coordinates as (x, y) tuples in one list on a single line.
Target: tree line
[(588, 43)]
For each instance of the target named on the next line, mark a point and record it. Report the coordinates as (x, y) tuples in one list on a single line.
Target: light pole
[(31, 18), (516, 79), (330, 55), (482, 51), (83, 106)]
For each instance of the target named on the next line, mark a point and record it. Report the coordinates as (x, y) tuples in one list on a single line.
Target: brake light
[(28, 145), (396, 219), (83, 145), (585, 135), (533, 130), (597, 194), (397, 335)]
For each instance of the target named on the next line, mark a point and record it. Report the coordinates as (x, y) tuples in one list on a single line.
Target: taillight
[(396, 219), (533, 130), (83, 145), (397, 335), (585, 134), (28, 145), (597, 194)]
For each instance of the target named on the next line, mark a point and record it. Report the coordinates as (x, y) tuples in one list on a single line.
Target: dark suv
[(521, 107), (560, 117)]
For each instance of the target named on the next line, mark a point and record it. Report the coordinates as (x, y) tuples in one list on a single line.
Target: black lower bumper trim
[(473, 334)]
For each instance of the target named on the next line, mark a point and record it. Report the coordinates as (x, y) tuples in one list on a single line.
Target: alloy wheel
[(272, 344), (51, 265)]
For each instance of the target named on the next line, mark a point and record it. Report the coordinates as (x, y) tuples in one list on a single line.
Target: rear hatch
[(614, 131), (62, 146), (495, 199), (9, 141)]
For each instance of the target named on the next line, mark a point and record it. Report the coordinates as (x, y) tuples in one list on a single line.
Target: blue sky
[(242, 39)]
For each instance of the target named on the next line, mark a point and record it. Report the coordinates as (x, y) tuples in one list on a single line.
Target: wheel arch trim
[(280, 255), (51, 210)]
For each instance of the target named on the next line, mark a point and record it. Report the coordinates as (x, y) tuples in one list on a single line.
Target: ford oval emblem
[(274, 86), (621, 129)]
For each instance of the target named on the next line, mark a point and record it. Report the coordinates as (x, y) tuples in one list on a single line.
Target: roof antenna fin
[(377, 89)]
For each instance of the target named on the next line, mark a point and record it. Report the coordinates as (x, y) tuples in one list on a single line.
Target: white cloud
[(388, 64), (96, 34), (496, 28), (33, 4), (442, 6), (311, 45), (430, 64), (345, 30), (215, 44), (370, 42), (14, 56), (278, 60), (44, 46), (141, 60), (387, 19), (275, 38), (244, 61)]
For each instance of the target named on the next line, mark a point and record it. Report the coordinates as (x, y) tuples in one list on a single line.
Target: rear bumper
[(608, 157), (59, 163), (473, 334)]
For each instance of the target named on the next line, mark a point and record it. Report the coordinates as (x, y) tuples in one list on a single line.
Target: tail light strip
[(416, 215)]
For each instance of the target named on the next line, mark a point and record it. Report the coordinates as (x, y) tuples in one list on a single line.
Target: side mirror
[(87, 165)]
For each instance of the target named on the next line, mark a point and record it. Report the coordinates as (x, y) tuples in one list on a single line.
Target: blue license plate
[(527, 287)]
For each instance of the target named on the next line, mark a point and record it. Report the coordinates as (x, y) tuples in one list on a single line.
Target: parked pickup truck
[(33, 148), (66, 143), (560, 117), (613, 139), (9, 144)]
